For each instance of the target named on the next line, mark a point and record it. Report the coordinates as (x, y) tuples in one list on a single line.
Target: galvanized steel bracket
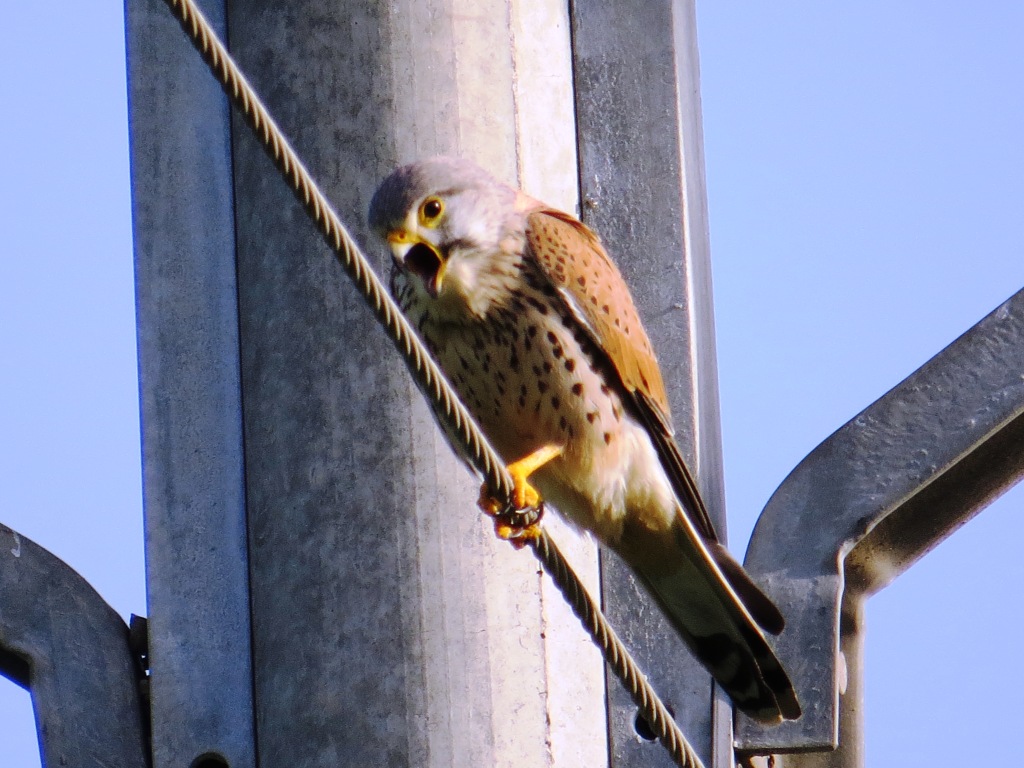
[(873, 498), (62, 642)]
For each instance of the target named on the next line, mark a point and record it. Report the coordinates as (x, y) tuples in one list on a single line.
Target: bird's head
[(449, 225)]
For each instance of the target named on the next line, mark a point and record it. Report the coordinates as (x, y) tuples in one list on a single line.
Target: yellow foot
[(524, 495), (512, 524)]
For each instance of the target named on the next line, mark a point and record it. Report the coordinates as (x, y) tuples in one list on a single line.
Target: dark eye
[(431, 210)]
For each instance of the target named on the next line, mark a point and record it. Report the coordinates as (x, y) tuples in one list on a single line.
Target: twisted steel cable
[(479, 451), (615, 653)]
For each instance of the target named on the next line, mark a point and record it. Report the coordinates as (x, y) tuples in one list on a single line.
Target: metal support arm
[(868, 502), (59, 639)]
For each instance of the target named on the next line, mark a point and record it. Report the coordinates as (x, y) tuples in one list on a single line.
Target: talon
[(487, 503), (524, 496), (519, 528)]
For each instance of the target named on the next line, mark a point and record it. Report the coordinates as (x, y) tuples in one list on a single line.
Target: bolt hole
[(210, 760), (643, 728)]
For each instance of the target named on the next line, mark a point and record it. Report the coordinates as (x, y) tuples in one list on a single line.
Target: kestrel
[(535, 328)]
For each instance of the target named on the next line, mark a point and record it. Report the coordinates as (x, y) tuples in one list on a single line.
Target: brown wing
[(573, 259)]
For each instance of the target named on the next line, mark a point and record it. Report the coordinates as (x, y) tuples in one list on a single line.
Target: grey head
[(446, 220), (445, 177)]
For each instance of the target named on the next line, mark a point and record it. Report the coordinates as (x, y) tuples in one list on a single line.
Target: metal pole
[(193, 465), (642, 181), (388, 624), (415, 638)]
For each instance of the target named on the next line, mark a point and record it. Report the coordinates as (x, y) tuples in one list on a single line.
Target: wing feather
[(593, 292), (571, 256)]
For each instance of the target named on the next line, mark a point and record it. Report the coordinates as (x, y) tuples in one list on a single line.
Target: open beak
[(418, 256)]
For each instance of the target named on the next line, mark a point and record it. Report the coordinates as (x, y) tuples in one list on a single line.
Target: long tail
[(712, 603)]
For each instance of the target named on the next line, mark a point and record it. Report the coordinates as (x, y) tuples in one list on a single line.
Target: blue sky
[(866, 187)]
